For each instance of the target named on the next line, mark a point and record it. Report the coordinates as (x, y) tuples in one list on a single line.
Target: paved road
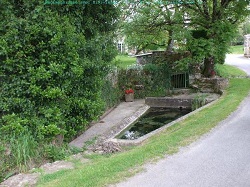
[(239, 61), (219, 159)]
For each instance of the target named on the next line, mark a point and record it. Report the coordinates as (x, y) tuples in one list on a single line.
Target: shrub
[(48, 83), (53, 63)]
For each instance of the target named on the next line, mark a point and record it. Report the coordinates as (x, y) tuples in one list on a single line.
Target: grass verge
[(228, 71), (109, 169)]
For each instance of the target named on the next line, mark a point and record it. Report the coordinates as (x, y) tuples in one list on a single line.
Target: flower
[(213, 73), (129, 91)]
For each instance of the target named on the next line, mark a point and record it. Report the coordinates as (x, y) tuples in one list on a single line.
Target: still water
[(152, 120)]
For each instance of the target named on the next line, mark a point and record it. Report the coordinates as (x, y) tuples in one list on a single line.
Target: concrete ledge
[(112, 133), (168, 102)]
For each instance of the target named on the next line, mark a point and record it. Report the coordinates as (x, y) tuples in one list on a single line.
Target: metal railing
[(180, 80)]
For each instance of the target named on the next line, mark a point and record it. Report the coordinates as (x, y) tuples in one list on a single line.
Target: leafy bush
[(154, 80), (51, 77), (53, 63)]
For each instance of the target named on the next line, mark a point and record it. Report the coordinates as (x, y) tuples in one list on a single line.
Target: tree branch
[(205, 9), (215, 10)]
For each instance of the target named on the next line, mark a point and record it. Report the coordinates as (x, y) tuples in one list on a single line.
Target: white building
[(121, 47), (247, 45)]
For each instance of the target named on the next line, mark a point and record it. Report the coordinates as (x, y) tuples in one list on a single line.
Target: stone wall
[(210, 85)]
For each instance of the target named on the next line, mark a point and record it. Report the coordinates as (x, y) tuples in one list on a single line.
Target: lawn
[(228, 71), (237, 49), (108, 169), (123, 61)]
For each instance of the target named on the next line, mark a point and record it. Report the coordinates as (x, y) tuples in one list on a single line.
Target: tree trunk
[(170, 41), (208, 70)]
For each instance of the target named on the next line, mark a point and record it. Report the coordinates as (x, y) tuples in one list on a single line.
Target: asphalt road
[(219, 159), (239, 61)]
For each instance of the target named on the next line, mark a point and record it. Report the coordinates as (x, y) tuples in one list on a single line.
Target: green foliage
[(154, 80), (54, 59), (38, 70), (201, 47), (51, 71), (224, 32), (54, 152), (17, 152), (98, 23), (243, 29), (219, 22), (151, 26), (23, 149), (75, 150), (12, 125), (110, 94), (150, 67), (198, 101), (20, 151), (246, 26), (210, 29)]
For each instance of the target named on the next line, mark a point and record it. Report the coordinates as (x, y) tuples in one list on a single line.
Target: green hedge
[(51, 71)]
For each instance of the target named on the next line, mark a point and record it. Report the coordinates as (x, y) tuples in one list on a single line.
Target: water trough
[(176, 104)]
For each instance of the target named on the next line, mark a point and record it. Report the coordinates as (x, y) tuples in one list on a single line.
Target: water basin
[(153, 119)]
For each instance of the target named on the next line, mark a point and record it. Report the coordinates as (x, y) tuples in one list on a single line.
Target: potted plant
[(213, 73), (129, 95)]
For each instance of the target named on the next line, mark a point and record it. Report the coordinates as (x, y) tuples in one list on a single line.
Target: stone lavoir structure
[(247, 45)]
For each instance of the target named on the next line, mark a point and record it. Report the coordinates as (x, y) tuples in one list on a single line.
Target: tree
[(246, 26), (53, 62), (243, 29), (217, 19), (154, 24)]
